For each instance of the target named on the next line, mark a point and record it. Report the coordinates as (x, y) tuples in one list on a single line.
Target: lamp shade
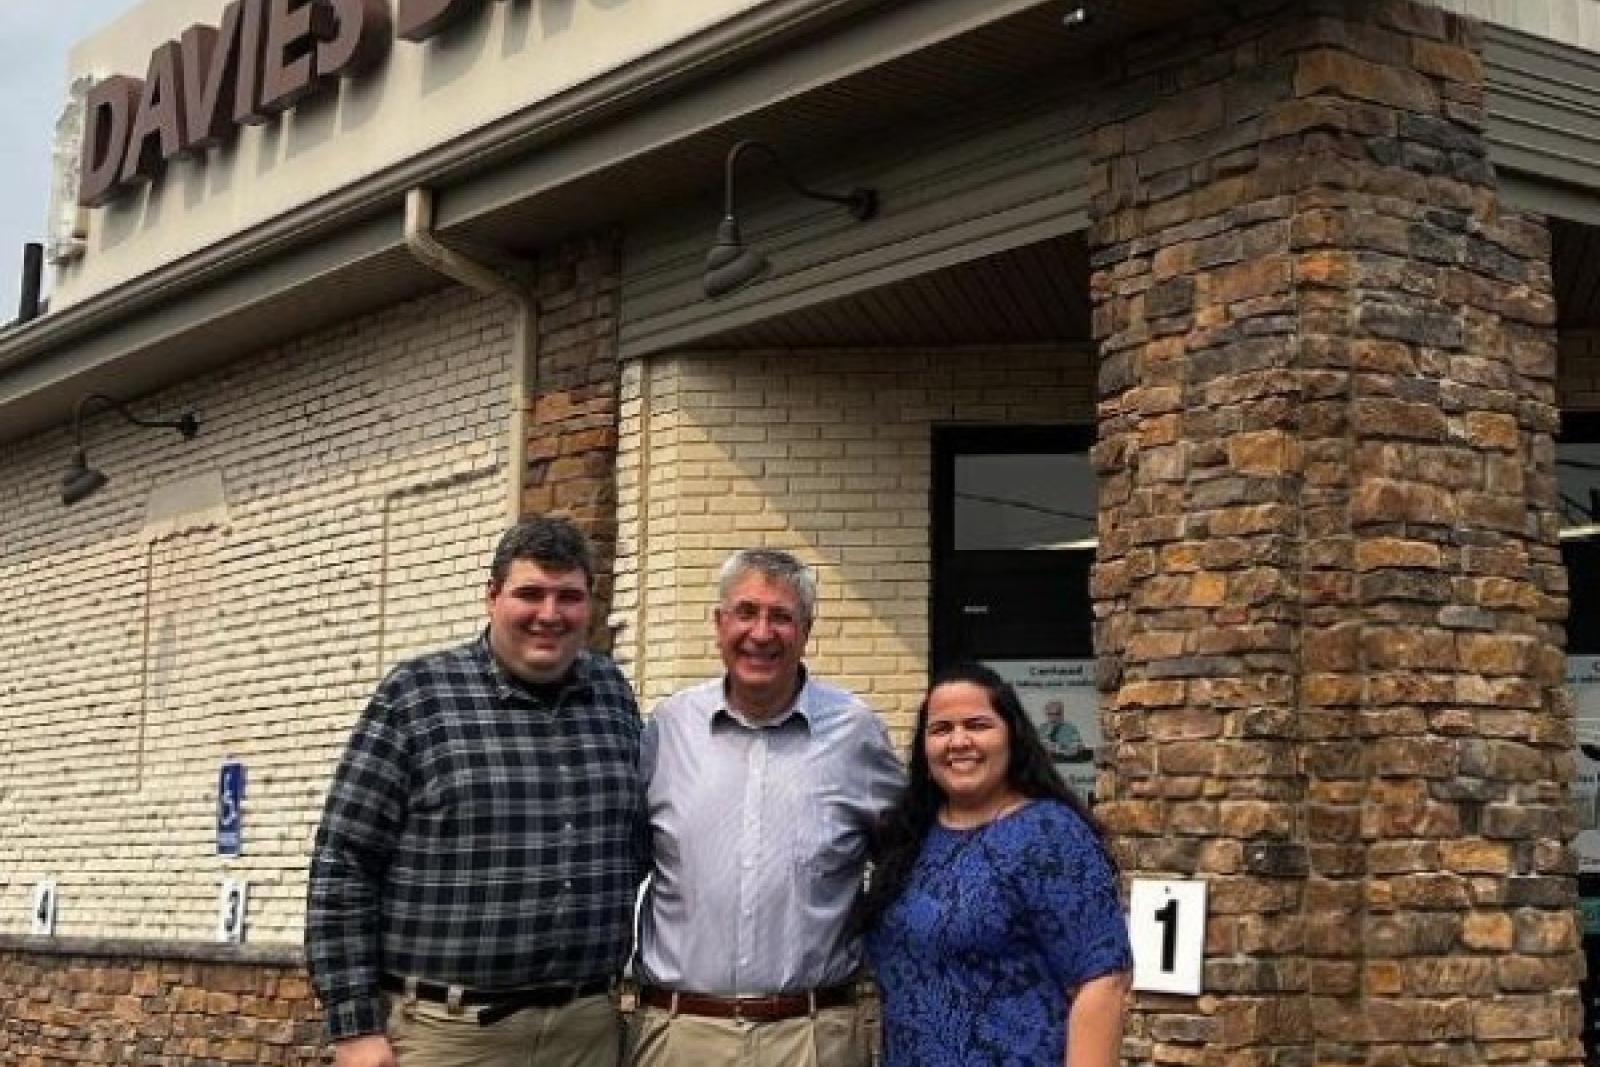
[(81, 480), (731, 264)]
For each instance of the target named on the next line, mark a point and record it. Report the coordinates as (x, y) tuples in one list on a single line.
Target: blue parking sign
[(230, 809)]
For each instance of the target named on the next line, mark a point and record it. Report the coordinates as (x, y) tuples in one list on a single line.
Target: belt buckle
[(409, 1005)]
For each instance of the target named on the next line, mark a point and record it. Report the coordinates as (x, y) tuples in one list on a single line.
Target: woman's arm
[(1094, 1021)]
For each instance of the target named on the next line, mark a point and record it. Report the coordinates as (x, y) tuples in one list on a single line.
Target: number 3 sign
[(231, 905), (1167, 925)]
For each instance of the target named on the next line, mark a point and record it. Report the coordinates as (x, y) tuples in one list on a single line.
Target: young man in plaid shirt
[(473, 880)]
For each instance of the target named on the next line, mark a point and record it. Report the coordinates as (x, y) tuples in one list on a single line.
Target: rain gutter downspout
[(498, 278)]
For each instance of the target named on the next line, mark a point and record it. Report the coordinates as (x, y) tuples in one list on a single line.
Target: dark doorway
[(1013, 541), (1014, 526)]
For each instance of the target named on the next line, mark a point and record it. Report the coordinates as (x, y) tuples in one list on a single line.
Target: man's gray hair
[(775, 565)]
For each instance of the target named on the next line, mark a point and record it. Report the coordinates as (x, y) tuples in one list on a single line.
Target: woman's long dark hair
[(903, 829)]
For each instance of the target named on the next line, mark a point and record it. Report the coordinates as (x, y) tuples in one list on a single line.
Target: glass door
[(1014, 523)]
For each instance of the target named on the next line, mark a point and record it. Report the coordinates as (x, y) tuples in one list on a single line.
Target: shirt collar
[(803, 710), (508, 686)]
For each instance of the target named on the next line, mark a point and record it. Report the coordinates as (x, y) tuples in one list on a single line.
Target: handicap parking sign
[(230, 809)]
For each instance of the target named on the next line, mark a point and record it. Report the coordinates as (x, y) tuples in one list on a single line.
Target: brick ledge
[(133, 948)]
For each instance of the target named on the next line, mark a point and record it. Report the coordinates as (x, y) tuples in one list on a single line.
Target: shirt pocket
[(832, 843)]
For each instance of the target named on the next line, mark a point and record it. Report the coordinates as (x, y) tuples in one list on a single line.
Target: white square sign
[(231, 904), (1167, 925), (44, 908)]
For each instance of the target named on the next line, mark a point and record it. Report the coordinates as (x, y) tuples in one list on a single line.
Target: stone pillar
[(1329, 593), (572, 429)]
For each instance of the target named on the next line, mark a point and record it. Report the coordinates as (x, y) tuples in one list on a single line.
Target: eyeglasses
[(746, 613)]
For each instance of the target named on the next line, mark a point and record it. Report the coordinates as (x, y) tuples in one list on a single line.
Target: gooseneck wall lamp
[(81, 479), (731, 264)]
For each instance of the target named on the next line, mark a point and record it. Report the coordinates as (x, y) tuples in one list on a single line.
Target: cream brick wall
[(237, 595), (824, 454)]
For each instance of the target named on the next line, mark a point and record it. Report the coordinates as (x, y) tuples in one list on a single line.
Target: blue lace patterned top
[(995, 927)]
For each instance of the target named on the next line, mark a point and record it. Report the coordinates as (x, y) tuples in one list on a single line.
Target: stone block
[(1516, 1017)]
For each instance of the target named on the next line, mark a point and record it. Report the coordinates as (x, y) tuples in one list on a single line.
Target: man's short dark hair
[(554, 542)]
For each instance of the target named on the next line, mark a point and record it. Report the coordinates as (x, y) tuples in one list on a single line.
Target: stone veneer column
[(1329, 593), (572, 428)]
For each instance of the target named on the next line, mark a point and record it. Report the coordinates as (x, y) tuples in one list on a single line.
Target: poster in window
[(1059, 695), (1583, 676)]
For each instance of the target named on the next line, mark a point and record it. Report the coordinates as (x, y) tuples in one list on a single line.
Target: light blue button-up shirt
[(759, 834)]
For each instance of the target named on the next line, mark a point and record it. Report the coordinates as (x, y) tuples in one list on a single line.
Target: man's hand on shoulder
[(368, 1050)]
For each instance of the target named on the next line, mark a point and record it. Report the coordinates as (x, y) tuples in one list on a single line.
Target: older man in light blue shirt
[(763, 786)]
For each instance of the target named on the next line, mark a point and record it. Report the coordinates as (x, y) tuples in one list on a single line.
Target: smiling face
[(761, 633), (968, 747), (538, 619)]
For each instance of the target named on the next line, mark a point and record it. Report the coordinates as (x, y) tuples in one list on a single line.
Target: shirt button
[(567, 827), (566, 885)]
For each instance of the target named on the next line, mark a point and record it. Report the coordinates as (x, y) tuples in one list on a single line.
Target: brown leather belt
[(757, 1009)]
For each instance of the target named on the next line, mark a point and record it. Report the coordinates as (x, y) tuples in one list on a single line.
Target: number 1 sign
[(1167, 925)]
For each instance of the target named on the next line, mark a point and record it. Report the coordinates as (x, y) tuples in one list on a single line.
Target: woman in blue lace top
[(992, 921)]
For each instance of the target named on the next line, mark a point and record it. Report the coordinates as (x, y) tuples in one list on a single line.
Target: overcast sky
[(34, 38)]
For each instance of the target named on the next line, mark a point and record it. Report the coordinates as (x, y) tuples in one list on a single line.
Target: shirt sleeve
[(649, 741), (885, 774), (362, 820), (1069, 895)]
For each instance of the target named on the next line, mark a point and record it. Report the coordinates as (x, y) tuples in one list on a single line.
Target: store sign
[(1060, 697), (261, 59), (417, 20)]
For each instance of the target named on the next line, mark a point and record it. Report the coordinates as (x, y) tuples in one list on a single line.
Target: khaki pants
[(836, 1037), (585, 1033)]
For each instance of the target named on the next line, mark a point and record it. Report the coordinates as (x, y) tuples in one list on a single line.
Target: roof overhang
[(801, 73), (804, 74)]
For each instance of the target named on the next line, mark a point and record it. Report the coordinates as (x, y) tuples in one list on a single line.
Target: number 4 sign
[(1167, 925), (44, 908)]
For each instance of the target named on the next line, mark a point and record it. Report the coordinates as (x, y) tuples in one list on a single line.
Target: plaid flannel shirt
[(476, 835)]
